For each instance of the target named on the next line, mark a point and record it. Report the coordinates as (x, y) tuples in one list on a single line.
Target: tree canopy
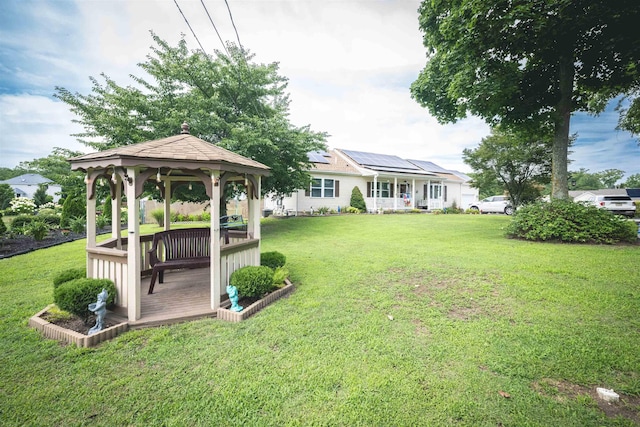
[(227, 99), (519, 161), (525, 64)]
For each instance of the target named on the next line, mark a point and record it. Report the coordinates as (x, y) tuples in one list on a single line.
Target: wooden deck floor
[(184, 295)]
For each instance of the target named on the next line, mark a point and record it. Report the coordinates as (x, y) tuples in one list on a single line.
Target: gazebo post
[(116, 209), (216, 278), (254, 215), (167, 204), (133, 247), (91, 226)]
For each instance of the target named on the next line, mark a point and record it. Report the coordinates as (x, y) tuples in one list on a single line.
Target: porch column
[(116, 209), (374, 190), (429, 194), (216, 278), (395, 193), (167, 204), (413, 193), (91, 227), (133, 247)]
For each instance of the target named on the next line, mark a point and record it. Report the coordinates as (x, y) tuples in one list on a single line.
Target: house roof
[(179, 151), (27, 179), (330, 162), (606, 191), (382, 162), (429, 166)]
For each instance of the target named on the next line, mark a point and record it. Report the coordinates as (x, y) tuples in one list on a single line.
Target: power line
[(234, 25), (189, 25), (215, 28)]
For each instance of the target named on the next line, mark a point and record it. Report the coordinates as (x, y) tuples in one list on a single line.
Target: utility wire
[(215, 28), (234, 25), (189, 25)]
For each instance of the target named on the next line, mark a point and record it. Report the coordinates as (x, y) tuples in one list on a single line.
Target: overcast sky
[(349, 63)]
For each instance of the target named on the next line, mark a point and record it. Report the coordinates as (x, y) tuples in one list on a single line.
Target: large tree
[(520, 161), (227, 100), (524, 63)]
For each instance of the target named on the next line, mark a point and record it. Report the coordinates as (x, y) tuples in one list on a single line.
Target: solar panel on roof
[(429, 166), (380, 160), (318, 157)]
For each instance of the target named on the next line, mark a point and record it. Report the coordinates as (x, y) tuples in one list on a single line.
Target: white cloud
[(32, 126)]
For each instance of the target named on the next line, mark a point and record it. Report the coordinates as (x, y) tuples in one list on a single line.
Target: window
[(323, 187), (383, 190), (436, 191)]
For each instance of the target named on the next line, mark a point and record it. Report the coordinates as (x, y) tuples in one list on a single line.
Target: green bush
[(273, 259), (3, 227), (52, 220), (77, 224), (353, 210), (158, 216), (279, 276), (106, 209), (101, 221), (73, 207), (570, 222), (75, 295), (69, 274), (357, 200), (22, 221), (38, 230), (252, 281)]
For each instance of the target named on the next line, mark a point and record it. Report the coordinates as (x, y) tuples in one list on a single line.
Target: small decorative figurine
[(100, 309), (232, 291)]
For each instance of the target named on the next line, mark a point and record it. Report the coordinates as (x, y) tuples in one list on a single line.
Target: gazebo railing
[(108, 260)]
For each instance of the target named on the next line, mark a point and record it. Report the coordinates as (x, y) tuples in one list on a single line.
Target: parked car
[(617, 204), (494, 204)]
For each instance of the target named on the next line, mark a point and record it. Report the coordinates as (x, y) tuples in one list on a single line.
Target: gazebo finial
[(185, 127)]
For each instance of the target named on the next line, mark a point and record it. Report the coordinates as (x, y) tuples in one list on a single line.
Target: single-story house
[(387, 182), (26, 186)]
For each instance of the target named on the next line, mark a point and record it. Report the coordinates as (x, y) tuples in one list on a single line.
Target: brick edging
[(51, 331), (233, 316)]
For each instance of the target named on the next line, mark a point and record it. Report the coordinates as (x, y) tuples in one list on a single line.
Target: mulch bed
[(76, 324), (21, 244)]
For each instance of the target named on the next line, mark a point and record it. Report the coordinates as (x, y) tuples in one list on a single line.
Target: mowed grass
[(396, 320)]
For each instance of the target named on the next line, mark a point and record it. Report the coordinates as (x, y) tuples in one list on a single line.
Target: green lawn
[(473, 314)]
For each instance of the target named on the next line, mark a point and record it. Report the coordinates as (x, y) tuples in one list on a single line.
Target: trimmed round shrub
[(252, 281), (273, 259), (69, 274), (22, 221), (52, 220), (570, 222), (75, 295), (357, 200)]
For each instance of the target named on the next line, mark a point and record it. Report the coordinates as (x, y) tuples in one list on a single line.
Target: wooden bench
[(233, 222), (186, 248)]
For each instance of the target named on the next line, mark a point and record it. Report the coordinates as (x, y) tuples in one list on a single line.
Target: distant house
[(26, 185), (387, 182)]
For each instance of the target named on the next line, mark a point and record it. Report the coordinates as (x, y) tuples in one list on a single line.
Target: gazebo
[(167, 163)]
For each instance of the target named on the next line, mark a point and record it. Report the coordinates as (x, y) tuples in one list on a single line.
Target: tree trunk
[(559, 156)]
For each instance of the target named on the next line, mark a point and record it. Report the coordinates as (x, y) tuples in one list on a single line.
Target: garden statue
[(100, 309), (232, 291)]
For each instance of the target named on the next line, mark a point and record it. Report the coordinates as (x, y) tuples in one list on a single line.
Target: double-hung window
[(321, 187)]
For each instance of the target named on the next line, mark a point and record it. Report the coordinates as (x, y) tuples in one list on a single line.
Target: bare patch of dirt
[(628, 407)]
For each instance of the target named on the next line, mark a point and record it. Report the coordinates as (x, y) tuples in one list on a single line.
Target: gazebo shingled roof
[(185, 149)]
